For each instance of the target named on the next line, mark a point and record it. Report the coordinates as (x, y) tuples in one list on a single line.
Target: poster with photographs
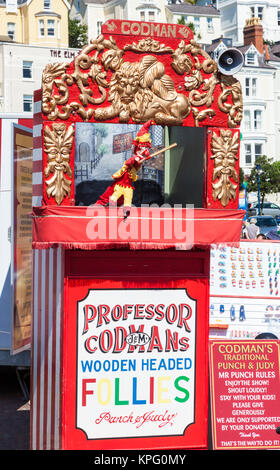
[(244, 290)]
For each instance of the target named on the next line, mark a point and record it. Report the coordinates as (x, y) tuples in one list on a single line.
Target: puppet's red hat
[(143, 135)]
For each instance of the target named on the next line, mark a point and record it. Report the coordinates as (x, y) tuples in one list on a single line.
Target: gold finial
[(253, 21)]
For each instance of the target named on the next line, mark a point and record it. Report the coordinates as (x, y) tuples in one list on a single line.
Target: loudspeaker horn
[(230, 61)]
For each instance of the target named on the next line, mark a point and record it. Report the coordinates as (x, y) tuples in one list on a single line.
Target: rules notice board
[(245, 394), (22, 237)]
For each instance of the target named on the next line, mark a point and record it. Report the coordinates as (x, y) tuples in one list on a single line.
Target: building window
[(258, 151), (260, 13), (278, 17), (11, 30), (27, 103), (247, 86), (197, 23), (99, 25), (252, 152), (257, 119), (254, 86), (151, 16), (248, 154), (247, 120), (41, 28), (253, 121), (251, 58), (210, 25), (250, 86), (257, 12), (50, 27), (47, 4), (27, 69)]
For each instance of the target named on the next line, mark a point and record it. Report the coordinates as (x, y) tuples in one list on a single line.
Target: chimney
[(253, 34)]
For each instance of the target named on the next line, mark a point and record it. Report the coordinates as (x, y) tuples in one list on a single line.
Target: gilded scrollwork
[(201, 115), (142, 89), (194, 80), (225, 154), (181, 63), (50, 79), (231, 87), (58, 143), (184, 31), (93, 75), (147, 45)]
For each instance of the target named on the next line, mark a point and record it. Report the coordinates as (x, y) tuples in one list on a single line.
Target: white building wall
[(277, 112), (234, 14), (98, 14), (132, 10), (12, 84), (229, 22), (208, 31), (95, 17), (264, 101)]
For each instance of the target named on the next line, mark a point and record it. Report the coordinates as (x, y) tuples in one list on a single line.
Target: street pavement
[(14, 412)]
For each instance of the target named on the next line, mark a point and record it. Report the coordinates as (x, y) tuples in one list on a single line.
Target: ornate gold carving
[(111, 26), (140, 90), (224, 152), (181, 63), (231, 86), (84, 81), (58, 144), (50, 102), (253, 21), (201, 115), (184, 31), (194, 80), (147, 45)]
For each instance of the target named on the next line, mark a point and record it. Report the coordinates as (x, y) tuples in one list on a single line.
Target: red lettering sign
[(245, 394)]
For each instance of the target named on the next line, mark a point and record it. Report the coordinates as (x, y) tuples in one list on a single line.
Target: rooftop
[(263, 59), (184, 8)]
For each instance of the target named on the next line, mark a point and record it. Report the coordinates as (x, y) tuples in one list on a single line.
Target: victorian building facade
[(35, 22), (205, 19), (235, 13), (33, 34), (21, 73), (260, 81)]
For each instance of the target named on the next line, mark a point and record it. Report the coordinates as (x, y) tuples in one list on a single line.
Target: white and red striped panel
[(46, 360), (37, 173)]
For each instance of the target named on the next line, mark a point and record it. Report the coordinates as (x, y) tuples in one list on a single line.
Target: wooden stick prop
[(163, 150)]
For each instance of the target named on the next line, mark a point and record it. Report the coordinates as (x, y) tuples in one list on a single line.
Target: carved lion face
[(127, 82)]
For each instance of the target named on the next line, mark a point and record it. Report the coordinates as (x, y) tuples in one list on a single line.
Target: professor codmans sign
[(135, 363)]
